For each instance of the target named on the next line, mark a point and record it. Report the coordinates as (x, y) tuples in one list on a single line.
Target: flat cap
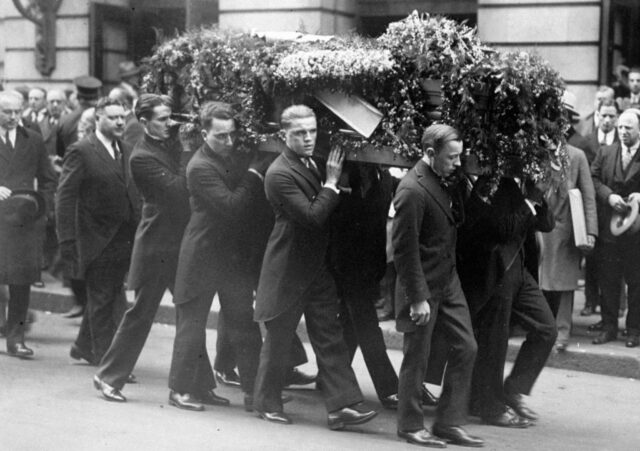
[(88, 86)]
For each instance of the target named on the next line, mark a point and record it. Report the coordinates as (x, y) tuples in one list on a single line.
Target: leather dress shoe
[(275, 417), (596, 327), (184, 401), (131, 379), (390, 402), (587, 311), (74, 312), (428, 398), (507, 419), (78, 354), (347, 416), (297, 377), (229, 378), (210, 397), (516, 402), (107, 391), (456, 435), (422, 437), (605, 337), (248, 401), (632, 341), (19, 350), (625, 332)]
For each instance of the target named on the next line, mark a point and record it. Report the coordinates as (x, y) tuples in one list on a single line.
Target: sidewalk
[(612, 359)]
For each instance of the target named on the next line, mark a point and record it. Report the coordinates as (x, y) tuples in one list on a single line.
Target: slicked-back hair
[(215, 110), (147, 103), (294, 112), (634, 70), (437, 135), (609, 102), (104, 102)]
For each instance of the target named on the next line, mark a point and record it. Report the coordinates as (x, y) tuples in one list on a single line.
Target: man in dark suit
[(295, 279), (501, 290), (224, 183), (633, 101), (616, 177), (591, 121), (23, 159), (96, 216), (159, 175), (428, 293)]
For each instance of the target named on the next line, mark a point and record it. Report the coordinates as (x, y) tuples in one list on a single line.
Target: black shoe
[(587, 311), (184, 401), (624, 332), (596, 327), (428, 398), (456, 435), (78, 354), (347, 416), (275, 417), (390, 402), (248, 401), (632, 341), (516, 402), (422, 437), (131, 379), (19, 350), (75, 312), (212, 399), (605, 337), (297, 377), (507, 419), (107, 391), (229, 378)]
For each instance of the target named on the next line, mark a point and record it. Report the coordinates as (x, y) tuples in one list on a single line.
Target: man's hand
[(5, 193), (334, 166), (591, 242), (261, 161), (420, 312), (617, 203)]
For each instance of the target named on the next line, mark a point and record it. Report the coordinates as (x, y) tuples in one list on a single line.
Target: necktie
[(311, 165), (116, 152), (7, 141), (626, 157)]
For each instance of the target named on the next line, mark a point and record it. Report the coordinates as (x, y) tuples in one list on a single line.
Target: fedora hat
[(23, 207), (627, 222), (128, 69)]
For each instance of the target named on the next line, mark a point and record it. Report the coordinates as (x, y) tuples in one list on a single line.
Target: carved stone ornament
[(43, 14)]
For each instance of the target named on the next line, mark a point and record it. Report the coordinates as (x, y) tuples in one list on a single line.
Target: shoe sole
[(183, 407), (343, 424)]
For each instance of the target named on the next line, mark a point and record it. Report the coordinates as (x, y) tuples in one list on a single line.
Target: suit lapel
[(427, 179), (5, 153), (104, 154), (297, 166), (634, 166)]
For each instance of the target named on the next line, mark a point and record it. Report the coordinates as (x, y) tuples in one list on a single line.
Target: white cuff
[(332, 187), (531, 206), (256, 173)]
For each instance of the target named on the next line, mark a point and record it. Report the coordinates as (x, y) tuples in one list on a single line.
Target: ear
[(204, 134), (430, 152)]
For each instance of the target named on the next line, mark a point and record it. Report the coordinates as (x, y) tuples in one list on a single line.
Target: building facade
[(585, 40)]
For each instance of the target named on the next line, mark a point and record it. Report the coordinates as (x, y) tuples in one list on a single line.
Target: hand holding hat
[(22, 207)]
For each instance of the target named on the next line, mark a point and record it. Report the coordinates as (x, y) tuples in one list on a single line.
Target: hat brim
[(628, 222)]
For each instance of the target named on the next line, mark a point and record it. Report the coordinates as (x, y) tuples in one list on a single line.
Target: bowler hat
[(23, 207), (88, 87)]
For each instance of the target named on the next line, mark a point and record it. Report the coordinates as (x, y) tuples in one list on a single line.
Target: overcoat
[(20, 246), (299, 242), (559, 268), (95, 197), (160, 178)]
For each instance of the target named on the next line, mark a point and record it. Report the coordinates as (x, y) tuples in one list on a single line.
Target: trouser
[(561, 304), (619, 262), (121, 357), (191, 370), (17, 309), (450, 311), (517, 298), (360, 327), (335, 375)]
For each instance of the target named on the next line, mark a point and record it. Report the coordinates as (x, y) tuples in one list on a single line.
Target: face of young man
[(628, 129), (634, 82), (447, 160), (159, 124), (608, 118), (301, 136), (110, 121), (221, 136), (10, 111)]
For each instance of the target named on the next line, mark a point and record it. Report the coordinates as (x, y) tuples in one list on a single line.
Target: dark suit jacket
[(96, 197), (20, 245), (609, 178), (595, 144), (67, 131), (491, 237), (160, 178), (424, 240), (297, 248), (133, 130), (49, 134), (216, 241), (575, 139)]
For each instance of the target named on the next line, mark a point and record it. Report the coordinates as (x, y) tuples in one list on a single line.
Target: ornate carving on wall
[(43, 14)]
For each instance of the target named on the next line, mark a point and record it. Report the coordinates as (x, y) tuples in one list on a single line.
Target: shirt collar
[(106, 142)]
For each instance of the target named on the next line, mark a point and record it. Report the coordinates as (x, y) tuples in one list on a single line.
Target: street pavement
[(48, 403)]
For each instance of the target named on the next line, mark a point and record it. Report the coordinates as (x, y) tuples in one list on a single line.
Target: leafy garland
[(259, 78)]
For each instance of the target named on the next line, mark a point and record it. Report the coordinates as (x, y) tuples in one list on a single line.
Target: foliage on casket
[(521, 94)]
